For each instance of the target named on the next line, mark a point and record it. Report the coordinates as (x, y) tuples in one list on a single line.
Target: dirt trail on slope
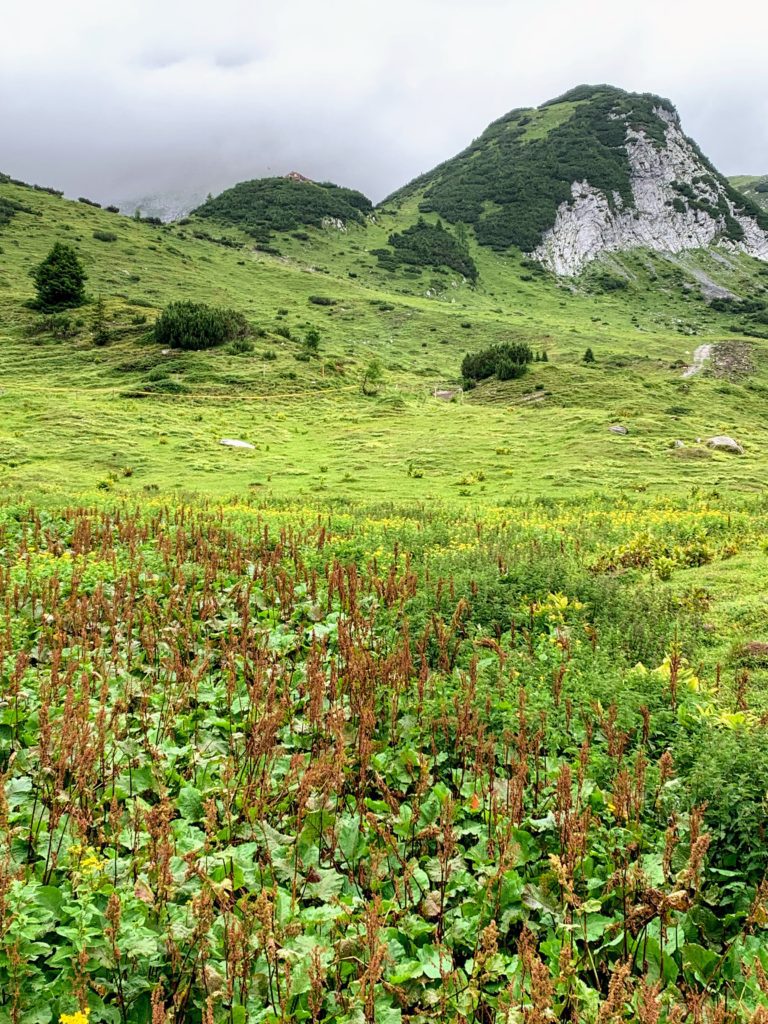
[(700, 356)]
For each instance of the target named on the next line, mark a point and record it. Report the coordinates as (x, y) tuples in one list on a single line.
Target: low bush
[(195, 325), (507, 361), (241, 347)]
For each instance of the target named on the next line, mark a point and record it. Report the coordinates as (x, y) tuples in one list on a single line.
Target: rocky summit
[(598, 170)]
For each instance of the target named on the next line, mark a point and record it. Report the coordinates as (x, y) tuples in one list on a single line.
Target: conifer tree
[(59, 279)]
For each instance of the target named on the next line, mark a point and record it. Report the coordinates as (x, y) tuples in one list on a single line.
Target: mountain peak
[(595, 170)]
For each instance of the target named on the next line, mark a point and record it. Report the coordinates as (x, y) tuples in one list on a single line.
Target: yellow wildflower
[(91, 863), (80, 1017)]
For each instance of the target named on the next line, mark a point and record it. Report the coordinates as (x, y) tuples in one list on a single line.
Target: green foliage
[(728, 773), (99, 329), (58, 325), (105, 236), (312, 341), (241, 347), (195, 325), (9, 208), (331, 737), (372, 377), (604, 282), (281, 204), (507, 361), (59, 279), (428, 245), (588, 357)]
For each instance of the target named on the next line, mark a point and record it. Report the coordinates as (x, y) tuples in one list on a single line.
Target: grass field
[(69, 424), (419, 711)]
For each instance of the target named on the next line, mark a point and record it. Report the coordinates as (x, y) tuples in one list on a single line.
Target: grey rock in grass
[(231, 442), (617, 428), (723, 443)]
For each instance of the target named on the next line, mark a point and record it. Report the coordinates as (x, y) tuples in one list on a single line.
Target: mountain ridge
[(593, 171)]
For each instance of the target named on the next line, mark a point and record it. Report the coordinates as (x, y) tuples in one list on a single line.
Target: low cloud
[(132, 98)]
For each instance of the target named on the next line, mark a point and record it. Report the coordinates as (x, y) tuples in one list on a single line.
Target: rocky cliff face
[(679, 203)]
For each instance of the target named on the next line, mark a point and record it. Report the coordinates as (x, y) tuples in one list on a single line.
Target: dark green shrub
[(321, 300), (195, 325), (281, 204), (589, 356), (427, 245), (312, 341), (59, 279), (99, 330), (241, 347), (59, 325), (9, 208), (605, 282), (105, 236), (507, 361), (161, 386)]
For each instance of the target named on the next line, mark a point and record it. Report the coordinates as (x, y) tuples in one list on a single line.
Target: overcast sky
[(114, 99)]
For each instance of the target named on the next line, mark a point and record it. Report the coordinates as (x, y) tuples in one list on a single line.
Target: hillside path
[(700, 356)]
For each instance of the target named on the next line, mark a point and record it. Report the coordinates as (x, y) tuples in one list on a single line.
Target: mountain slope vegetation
[(513, 181), (284, 204), (753, 186)]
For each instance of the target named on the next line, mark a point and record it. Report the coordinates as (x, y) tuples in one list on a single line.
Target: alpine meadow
[(383, 618)]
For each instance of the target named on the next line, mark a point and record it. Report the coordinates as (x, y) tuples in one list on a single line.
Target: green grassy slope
[(75, 416), (753, 186)]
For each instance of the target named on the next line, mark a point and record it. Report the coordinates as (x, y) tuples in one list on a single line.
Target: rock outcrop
[(679, 204), (723, 443)]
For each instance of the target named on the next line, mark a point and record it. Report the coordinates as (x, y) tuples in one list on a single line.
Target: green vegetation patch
[(268, 762), (9, 208), (195, 325), (282, 204), (427, 245), (506, 362)]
